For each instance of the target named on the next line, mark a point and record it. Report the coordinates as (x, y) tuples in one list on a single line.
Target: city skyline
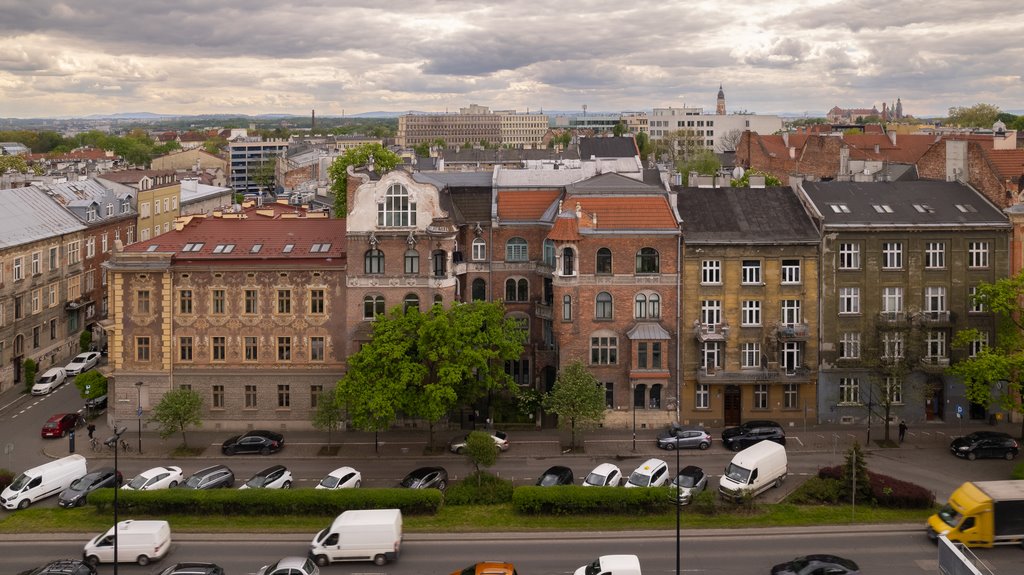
[(189, 57)]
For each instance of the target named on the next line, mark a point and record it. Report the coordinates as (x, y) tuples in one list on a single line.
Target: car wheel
[(704, 445), (24, 503), (80, 502), (971, 456), (442, 484), (322, 560), (380, 559), (172, 484), (142, 560), (230, 451), (265, 451), (1010, 455), (460, 450), (92, 560), (359, 482), (287, 485), (778, 483)]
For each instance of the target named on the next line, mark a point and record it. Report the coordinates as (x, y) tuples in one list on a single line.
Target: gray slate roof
[(744, 215), (912, 203), (29, 215), (615, 147), (611, 183)]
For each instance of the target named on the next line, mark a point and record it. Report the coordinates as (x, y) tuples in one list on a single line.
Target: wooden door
[(732, 405)]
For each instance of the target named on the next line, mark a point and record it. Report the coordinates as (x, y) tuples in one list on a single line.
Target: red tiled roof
[(525, 205), (1009, 164), (566, 228), (625, 212)]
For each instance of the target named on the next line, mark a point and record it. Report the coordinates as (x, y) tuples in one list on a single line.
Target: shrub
[(706, 503), (816, 490), (885, 491), (1018, 471), (490, 490), (575, 499), (30, 367), (6, 477)]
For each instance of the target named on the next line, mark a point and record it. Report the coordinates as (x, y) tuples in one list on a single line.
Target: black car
[(75, 495), (426, 478), (98, 402), (751, 432), (985, 444), (194, 568), (258, 441), (555, 475), (62, 567), (215, 477), (825, 564)]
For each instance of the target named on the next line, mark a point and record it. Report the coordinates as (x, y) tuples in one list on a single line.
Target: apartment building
[(157, 197), (472, 126), (248, 158), (718, 132)]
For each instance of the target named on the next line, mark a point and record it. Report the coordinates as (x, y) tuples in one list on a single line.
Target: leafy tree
[(215, 144), (84, 340), (995, 375), (744, 182), (178, 409), (422, 149), (855, 466), (93, 381), (675, 148), (384, 160), (619, 129), (577, 398), (976, 116), (328, 415), (481, 451), (704, 163), (265, 175), (13, 164), (30, 368), (643, 144)]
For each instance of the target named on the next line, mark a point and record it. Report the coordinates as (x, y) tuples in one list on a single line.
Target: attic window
[(192, 247), (255, 249), (152, 248), (882, 208), (224, 248), (966, 208), (319, 248), (924, 208), (288, 248), (840, 208)]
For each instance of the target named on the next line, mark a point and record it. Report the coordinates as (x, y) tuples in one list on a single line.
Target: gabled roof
[(611, 183), (744, 215), (525, 205), (29, 215), (566, 228), (615, 147), (1008, 164), (623, 212)]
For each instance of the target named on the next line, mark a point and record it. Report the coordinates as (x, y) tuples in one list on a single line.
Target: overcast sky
[(82, 57)]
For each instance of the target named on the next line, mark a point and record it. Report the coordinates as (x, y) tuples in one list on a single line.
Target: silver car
[(679, 437), (690, 481)]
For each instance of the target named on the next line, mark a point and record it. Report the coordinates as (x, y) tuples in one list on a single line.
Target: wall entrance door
[(732, 405)]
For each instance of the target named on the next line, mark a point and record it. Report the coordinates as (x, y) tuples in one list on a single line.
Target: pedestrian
[(91, 428), (903, 429)]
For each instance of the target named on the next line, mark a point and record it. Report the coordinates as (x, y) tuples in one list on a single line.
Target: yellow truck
[(982, 514)]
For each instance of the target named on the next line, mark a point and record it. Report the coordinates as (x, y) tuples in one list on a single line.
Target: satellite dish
[(737, 173)]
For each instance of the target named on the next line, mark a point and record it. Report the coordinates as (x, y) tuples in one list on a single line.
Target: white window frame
[(978, 255), (750, 273), (849, 391), (791, 312), (791, 272), (750, 312), (974, 306), (892, 255), (977, 344), (702, 399), (790, 396), (711, 312), (849, 256), (849, 345), (935, 256), (750, 355), (894, 390), (711, 272), (479, 250), (892, 346), (892, 302), (849, 300), (935, 300), (935, 345), (760, 396)]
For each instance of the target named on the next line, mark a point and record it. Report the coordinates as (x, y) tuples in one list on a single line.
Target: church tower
[(720, 109)]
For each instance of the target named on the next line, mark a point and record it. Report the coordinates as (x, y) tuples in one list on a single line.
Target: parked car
[(82, 362), (985, 444), (604, 475), (63, 567), (814, 564), (61, 424), (458, 444), (214, 477), (426, 478), (488, 568), (291, 566), (273, 477), (690, 481), (679, 437), (155, 478), (341, 478), (257, 441), (555, 475), (193, 569), (50, 380), (75, 495), (651, 473), (751, 432), (98, 402)]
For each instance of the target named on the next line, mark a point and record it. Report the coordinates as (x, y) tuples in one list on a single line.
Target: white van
[(43, 481), (612, 565), (138, 542), (754, 470), (360, 535)]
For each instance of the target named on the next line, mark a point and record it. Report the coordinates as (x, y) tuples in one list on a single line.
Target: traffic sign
[(959, 410), (139, 412)]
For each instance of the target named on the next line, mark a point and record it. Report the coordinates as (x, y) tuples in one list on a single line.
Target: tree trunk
[(183, 441), (888, 411), (572, 434)]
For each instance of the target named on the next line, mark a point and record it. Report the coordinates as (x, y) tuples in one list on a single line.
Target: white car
[(341, 478), (458, 444), (274, 477), (604, 475), (49, 381), (83, 362), (651, 473), (291, 566), (156, 478)]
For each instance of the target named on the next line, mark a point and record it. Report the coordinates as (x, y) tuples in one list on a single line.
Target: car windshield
[(548, 480), (194, 481), (257, 481), (331, 481), (685, 481), (19, 482), (46, 379), (82, 483), (737, 473), (594, 568), (640, 479), (412, 481), (138, 483), (50, 425), (950, 516), (595, 479)]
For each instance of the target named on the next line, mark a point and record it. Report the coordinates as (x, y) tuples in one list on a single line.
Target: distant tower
[(899, 109), (720, 109)]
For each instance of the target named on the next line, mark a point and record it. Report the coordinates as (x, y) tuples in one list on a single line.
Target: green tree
[(855, 467), (178, 409), (577, 398), (328, 415), (744, 182), (704, 163), (215, 144), (384, 160), (91, 384), (481, 451), (976, 116), (619, 129), (84, 340), (422, 149), (29, 367), (995, 375), (425, 364), (265, 175), (13, 164), (890, 367), (643, 144)]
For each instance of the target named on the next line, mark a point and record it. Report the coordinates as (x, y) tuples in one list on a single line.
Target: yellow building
[(158, 199)]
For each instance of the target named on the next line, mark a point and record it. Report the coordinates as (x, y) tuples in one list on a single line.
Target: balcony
[(943, 318), (934, 364), (542, 311), (753, 376), (792, 331), (893, 319), (710, 331)]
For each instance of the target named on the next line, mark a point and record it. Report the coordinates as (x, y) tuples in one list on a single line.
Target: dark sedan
[(814, 564), (985, 444), (426, 478), (555, 475), (258, 441), (751, 432), (75, 495)]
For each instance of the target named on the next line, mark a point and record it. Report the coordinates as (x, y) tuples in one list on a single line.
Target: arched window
[(515, 250), (373, 305), (568, 262), (549, 253), (479, 250), (439, 261), (603, 307), (640, 306), (438, 299), (654, 306), (412, 301), (373, 263), (604, 261), (517, 289), (647, 261), (566, 308), (647, 306), (412, 262), (479, 292), (396, 210)]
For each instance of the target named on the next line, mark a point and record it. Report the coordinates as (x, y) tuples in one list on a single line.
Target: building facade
[(472, 126), (248, 158)]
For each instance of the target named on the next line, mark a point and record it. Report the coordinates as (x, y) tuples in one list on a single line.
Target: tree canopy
[(976, 116), (384, 160), (13, 164), (703, 163), (328, 416), (93, 381), (744, 182), (577, 398), (481, 451), (178, 409)]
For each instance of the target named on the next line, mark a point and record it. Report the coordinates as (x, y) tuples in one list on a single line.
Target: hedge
[(574, 499), (491, 490), (317, 502), (888, 491)]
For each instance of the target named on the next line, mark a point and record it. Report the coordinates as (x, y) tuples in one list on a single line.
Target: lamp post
[(113, 442), (633, 409), (138, 413), (678, 510)]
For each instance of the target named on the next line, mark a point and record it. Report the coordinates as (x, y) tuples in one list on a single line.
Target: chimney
[(785, 139), (312, 123), (792, 153), (877, 149), (892, 136)]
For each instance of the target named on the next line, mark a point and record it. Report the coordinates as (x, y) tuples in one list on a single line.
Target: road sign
[(139, 412), (959, 410)]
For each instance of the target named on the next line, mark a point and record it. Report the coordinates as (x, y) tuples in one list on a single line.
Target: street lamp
[(113, 442), (138, 413), (633, 409), (678, 509)]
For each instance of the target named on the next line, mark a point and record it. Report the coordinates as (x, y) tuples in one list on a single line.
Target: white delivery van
[(43, 481), (360, 535), (612, 565), (754, 470), (138, 542)]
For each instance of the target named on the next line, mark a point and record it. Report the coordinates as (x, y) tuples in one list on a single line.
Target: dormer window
[(840, 208), (288, 248), (224, 248), (319, 248), (193, 247), (255, 249)]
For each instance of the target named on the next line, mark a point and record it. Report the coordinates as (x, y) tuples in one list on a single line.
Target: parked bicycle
[(95, 443), (125, 447)]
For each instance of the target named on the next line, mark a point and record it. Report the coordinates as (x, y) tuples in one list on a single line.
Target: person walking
[(91, 429), (903, 429)]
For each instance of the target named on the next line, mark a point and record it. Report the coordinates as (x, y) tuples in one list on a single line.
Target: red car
[(61, 424)]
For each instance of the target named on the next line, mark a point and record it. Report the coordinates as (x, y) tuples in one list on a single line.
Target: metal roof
[(30, 215)]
